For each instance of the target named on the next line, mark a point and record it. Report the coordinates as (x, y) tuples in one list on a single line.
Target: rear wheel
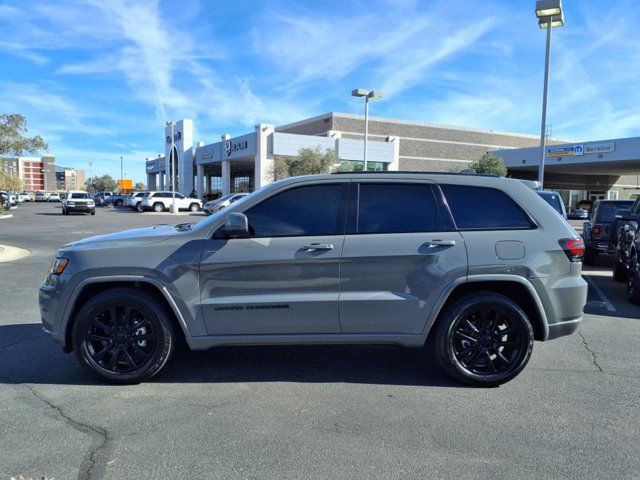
[(483, 339), (118, 203), (633, 280), (123, 336), (590, 256), (194, 207), (139, 207), (158, 207), (619, 269)]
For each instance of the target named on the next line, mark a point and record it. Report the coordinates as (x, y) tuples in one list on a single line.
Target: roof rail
[(412, 172)]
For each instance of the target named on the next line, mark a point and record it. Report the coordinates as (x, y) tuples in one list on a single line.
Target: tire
[(139, 207), (93, 212), (590, 256), (118, 203), (619, 270), (103, 344), (459, 348), (633, 280), (64, 212), (194, 207), (158, 207)]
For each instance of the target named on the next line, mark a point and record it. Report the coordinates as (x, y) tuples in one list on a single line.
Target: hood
[(145, 235)]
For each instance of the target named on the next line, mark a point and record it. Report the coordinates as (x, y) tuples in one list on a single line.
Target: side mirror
[(236, 225)]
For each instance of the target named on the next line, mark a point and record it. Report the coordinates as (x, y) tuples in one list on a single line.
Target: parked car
[(21, 198), (54, 197), (28, 196), (118, 199), (626, 229), (473, 267), (161, 202), (554, 199), (599, 232), (4, 200), (585, 205), (222, 202), (133, 201), (41, 196), (578, 214), (13, 199), (78, 201)]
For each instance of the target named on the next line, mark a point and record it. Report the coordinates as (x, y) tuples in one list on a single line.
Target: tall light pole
[(90, 176), (361, 92), (549, 13), (121, 168), (172, 162)]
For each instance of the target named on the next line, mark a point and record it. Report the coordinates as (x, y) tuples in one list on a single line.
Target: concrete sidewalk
[(9, 254)]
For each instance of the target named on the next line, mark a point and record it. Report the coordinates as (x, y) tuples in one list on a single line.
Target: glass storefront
[(357, 166)]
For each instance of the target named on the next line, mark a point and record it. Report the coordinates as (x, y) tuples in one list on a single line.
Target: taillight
[(596, 229), (573, 248)]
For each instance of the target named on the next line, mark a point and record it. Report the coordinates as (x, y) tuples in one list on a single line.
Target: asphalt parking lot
[(307, 412)]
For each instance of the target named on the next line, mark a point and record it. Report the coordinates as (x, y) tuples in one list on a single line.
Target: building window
[(357, 166)]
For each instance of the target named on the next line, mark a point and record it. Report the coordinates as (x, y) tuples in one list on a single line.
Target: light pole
[(361, 92), (90, 176), (549, 13), (172, 161)]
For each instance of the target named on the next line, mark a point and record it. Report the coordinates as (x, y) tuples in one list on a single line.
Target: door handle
[(439, 243), (318, 246)]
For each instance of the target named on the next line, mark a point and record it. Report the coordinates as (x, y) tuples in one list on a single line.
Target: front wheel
[(123, 336), (194, 207), (93, 212), (483, 339)]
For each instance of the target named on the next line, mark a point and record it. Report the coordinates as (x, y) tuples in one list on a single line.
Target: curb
[(9, 254), (2, 217)]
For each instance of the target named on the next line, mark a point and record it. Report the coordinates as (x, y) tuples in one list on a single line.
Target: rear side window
[(396, 208), (301, 211), (484, 208)]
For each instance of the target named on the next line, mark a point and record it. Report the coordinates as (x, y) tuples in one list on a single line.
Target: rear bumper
[(563, 299), (601, 246)]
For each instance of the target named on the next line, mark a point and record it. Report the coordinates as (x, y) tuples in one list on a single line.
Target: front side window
[(484, 208), (396, 208), (302, 211)]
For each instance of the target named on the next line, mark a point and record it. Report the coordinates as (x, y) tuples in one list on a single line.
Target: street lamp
[(172, 162), (549, 13), (90, 179), (361, 92)]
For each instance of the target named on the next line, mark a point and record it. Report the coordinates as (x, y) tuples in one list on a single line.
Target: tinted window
[(483, 208), (606, 211), (552, 199), (79, 195), (312, 210), (396, 208)]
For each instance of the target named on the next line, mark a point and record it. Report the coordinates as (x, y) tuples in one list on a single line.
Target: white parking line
[(601, 294)]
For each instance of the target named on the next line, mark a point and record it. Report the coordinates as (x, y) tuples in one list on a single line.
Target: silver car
[(216, 205), (473, 268)]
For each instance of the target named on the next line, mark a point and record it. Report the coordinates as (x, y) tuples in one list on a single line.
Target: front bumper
[(50, 314), (80, 208)]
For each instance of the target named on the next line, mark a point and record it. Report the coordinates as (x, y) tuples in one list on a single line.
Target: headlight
[(58, 265), (71, 203), (90, 202)]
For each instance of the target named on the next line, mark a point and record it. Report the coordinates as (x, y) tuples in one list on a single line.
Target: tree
[(105, 183), (140, 186), (12, 140), (489, 164), (310, 161), (10, 183)]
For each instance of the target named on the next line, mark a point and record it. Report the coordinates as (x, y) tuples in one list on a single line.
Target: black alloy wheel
[(633, 280), (123, 336), (484, 339)]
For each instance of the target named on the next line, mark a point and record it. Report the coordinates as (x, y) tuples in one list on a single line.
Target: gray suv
[(474, 268)]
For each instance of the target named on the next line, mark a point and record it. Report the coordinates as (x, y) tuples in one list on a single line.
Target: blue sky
[(98, 79)]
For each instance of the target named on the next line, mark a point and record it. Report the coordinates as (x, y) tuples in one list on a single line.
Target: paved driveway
[(308, 412)]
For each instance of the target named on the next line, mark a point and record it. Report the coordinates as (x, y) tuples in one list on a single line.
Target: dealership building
[(246, 162)]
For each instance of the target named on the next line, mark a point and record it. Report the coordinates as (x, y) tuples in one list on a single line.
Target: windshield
[(79, 195), (554, 200)]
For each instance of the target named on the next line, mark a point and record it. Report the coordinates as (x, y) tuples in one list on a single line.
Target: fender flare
[(437, 308), (71, 303)]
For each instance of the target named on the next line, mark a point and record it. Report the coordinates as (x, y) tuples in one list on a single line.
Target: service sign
[(600, 148)]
